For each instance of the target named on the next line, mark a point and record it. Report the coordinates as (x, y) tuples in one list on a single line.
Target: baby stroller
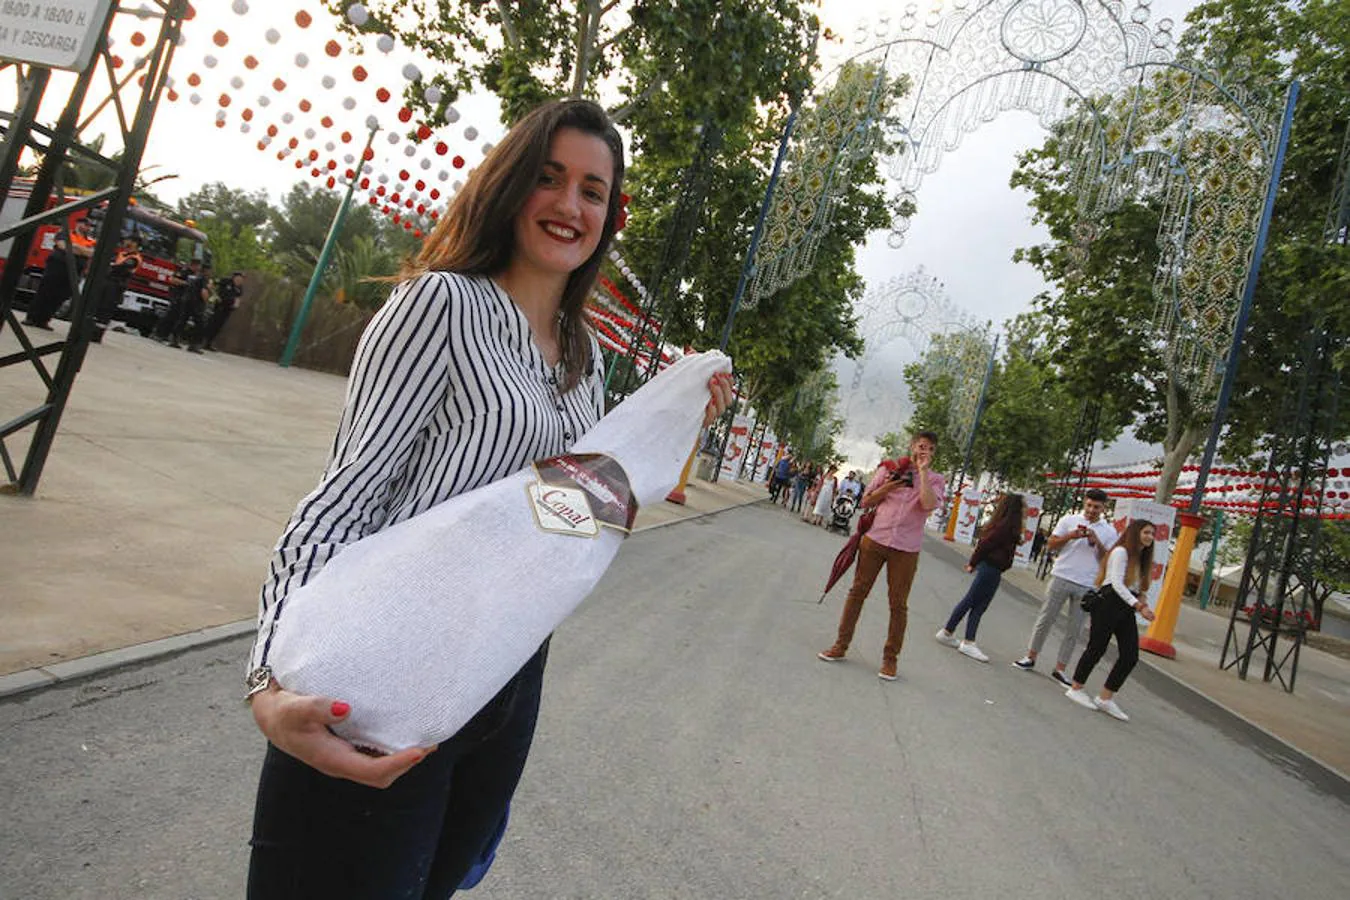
[(841, 512)]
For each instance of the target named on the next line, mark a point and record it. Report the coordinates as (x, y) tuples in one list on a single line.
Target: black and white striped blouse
[(448, 392)]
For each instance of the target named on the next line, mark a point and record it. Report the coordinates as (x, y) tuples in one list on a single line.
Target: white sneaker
[(946, 638), (1111, 708), (968, 648), (1080, 697)]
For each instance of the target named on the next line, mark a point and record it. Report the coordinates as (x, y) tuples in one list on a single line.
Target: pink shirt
[(900, 517)]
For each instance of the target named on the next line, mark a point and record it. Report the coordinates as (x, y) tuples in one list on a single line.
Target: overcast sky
[(968, 225)]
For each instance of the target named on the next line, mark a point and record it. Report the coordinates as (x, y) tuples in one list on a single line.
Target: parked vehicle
[(166, 245)]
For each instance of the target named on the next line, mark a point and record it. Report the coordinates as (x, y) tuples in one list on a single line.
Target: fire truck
[(166, 245)]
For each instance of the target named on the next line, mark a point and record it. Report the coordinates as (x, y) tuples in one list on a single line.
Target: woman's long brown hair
[(1008, 515), (477, 234), (1138, 559)]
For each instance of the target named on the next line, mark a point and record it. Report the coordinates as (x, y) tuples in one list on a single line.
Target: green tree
[(350, 281), (241, 250), (1100, 311), (892, 444), (1305, 282), (809, 421), (225, 207), (655, 60), (931, 388), (530, 51), (1021, 434), (790, 336), (301, 225), (1331, 569)]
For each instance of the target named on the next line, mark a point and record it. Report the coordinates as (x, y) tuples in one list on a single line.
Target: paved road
[(692, 746)]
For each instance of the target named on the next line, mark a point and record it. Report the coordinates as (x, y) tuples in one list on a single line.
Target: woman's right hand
[(298, 725)]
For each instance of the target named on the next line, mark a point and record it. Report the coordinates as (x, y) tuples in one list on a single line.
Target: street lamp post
[(334, 229), (970, 441)]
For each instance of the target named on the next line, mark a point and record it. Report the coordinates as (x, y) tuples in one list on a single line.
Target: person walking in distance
[(186, 317), (781, 478), (824, 497), (813, 484), (992, 557), (56, 288), (800, 482), (228, 291), (1080, 540), (903, 497), (1124, 579), (851, 486), (124, 265)]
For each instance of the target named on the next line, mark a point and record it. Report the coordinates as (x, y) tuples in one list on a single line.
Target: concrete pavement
[(1315, 719), (691, 745)]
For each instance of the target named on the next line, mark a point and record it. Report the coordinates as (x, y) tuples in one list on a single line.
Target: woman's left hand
[(720, 389)]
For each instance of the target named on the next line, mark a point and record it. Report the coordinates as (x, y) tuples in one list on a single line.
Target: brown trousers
[(900, 568)]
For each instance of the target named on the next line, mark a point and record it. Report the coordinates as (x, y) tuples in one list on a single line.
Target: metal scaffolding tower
[(1282, 555), (133, 97)]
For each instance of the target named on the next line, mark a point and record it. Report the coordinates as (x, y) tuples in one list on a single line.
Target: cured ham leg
[(421, 624)]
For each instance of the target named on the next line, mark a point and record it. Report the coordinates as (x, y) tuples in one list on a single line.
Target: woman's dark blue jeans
[(321, 837), (976, 600)]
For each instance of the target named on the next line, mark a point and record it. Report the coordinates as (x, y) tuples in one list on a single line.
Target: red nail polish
[(340, 709)]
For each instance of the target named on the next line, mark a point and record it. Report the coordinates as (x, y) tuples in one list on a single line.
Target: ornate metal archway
[(915, 307), (1141, 121)]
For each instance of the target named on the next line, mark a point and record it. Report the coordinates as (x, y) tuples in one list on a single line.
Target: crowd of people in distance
[(198, 307), (810, 489), (1101, 577), (196, 315)]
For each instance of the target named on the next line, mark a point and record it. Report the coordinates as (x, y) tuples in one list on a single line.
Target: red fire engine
[(165, 244)]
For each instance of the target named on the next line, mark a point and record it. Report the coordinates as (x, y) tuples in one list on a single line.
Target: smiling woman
[(478, 365)]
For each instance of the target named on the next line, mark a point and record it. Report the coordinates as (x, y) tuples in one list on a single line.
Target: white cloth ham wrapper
[(418, 626)]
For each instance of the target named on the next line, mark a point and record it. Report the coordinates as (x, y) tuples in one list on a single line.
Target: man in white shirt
[(1080, 540), (851, 485)]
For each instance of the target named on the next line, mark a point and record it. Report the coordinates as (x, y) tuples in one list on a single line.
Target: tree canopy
[(248, 233), (652, 62), (1099, 307)]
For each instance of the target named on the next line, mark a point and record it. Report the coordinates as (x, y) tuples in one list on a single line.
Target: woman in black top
[(992, 557)]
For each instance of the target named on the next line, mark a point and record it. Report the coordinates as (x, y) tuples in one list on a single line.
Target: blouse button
[(567, 435)]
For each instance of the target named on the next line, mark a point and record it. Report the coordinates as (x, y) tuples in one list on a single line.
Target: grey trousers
[(1058, 591)]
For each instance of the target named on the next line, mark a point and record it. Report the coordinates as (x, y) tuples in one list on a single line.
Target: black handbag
[(1097, 595)]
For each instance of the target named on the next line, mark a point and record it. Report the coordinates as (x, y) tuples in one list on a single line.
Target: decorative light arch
[(1138, 121)]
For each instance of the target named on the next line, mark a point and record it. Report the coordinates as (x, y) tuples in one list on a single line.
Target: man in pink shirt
[(904, 497)]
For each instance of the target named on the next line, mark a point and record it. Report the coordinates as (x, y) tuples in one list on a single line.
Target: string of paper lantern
[(653, 328), (1332, 500), (358, 74)]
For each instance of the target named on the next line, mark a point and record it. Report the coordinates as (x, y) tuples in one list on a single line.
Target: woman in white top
[(479, 363), (828, 485), (1124, 575)]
